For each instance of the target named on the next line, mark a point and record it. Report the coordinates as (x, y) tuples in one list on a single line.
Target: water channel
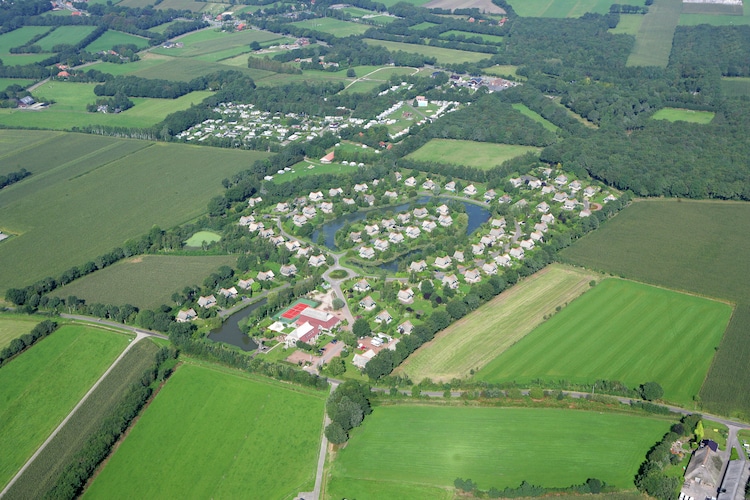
[(230, 332)]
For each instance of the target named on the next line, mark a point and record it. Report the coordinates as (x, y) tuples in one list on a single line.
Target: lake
[(230, 332)]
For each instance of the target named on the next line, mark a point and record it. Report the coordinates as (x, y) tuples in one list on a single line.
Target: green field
[(563, 8), (629, 24), (146, 183), (45, 469), (468, 34), (480, 337), (333, 26), (442, 55), (40, 387), (22, 59), (735, 87), (205, 42), (69, 35), (19, 37), (198, 239), (715, 15), (14, 325), (7, 82), (621, 330), (524, 110), (502, 70), (112, 38), (482, 155), (228, 436), (402, 446), (685, 115), (423, 26), (146, 281), (653, 43)]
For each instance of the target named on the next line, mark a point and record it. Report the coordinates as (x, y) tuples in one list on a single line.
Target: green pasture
[(524, 110), (204, 42), (482, 155), (423, 26), (653, 42), (735, 87), (41, 476), (14, 325), (383, 19), (442, 55), (391, 3), (20, 36), (7, 82), (335, 27), (22, 59), (147, 60), (40, 387), (415, 447), (69, 35), (301, 170), (468, 34), (163, 27), (715, 15), (146, 281), (357, 12), (480, 337), (186, 69), (629, 24), (362, 86), (563, 8), (229, 436), (685, 115), (501, 70), (112, 38), (198, 239), (15, 141), (621, 330), (63, 227)]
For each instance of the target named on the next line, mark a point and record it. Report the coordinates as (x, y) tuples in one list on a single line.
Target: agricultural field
[(715, 15), (205, 42), (112, 38), (146, 281), (685, 115), (474, 341), (524, 110), (59, 228), (147, 60), (7, 82), (44, 471), (468, 34), (442, 55), (69, 35), (621, 330), (14, 325), (563, 8), (186, 69), (19, 37), (486, 6), (629, 24), (40, 387), (653, 42), (420, 449), (229, 436), (334, 26), (9, 145), (22, 59), (735, 87), (482, 155)]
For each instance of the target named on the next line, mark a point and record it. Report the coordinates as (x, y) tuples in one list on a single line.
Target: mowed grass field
[(68, 35), (685, 115), (20, 36), (621, 330), (562, 8), (14, 325), (40, 387), (206, 42), (333, 26), (629, 24), (428, 446), (653, 42), (483, 155), (442, 55), (63, 220), (146, 281), (477, 339), (212, 433), (111, 38), (524, 110)]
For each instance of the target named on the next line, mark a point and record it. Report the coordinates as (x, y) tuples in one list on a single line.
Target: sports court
[(291, 313)]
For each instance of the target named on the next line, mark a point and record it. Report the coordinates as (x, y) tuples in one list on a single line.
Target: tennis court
[(291, 313)]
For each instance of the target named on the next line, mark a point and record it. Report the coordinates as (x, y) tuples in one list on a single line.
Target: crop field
[(480, 337), (735, 87), (9, 145), (653, 43), (112, 38), (468, 34), (7, 82), (229, 436), (442, 55), (146, 281), (621, 330), (59, 228), (524, 110), (685, 115), (19, 37), (417, 446), (715, 15), (46, 468), (40, 387), (14, 325), (147, 60), (22, 59), (69, 35), (562, 8), (186, 69), (206, 42), (483, 155), (629, 24), (333, 26)]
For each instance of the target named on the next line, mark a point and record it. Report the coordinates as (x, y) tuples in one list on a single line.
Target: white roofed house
[(255, 226), (450, 186), (470, 190), (186, 315), (303, 251), (472, 276), (428, 185), (356, 236), (420, 213), (418, 266), (228, 292), (266, 233), (548, 189), (503, 260), (548, 219), (541, 227), (388, 223), (251, 202), (246, 220), (309, 212), (428, 225), (498, 222), (326, 207), (405, 328), (443, 262), (398, 176), (317, 260), (589, 191), (497, 233), (490, 195), (315, 196), (404, 218), (246, 284), (585, 213), (517, 253), (372, 230), (543, 207), (292, 245), (537, 236), (560, 197), (443, 209), (348, 201), (570, 205), (369, 199), (299, 220), (335, 192), (610, 197), (575, 186), (489, 268), (288, 270), (458, 256), (277, 240), (367, 252), (361, 188), (487, 240), (282, 207), (527, 244), (534, 184), (383, 317), (265, 275), (368, 304), (405, 296), (395, 238), (361, 286), (561, 180), (516, 182), (207, 301), (451, 281), (381, 245), (445, 220), (410, 182), (413, 232), (390, 194), (477, 248)]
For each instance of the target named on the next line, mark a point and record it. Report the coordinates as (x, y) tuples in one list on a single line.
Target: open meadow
[(483, 155), (629, 24), (65, 35), (442, 55), (61, 219), (40, 387), (14, 325), (41, 476), (563, 8), (468, 34), (426, 447), (20, 36), (146, 281), (333, 26), (685, 115), (208, 41), (475, 340), (653, 42), (524, 110), (701, 249), (229, 436), (112, 38), (621, 330)]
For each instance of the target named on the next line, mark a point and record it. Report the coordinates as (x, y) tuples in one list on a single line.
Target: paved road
[(139, 336), (114, 324), (315, 494)]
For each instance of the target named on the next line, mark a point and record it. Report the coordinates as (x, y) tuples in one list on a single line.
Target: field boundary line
[(84, 174), (55, 135), (139, 337)]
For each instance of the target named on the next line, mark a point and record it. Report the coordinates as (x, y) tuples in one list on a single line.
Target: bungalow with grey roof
[(229, 293), (450, 186), (186, 315), (472, 276), (356, 236), (372, 230), (326, 207), (489, 268), (383, 317), (288, 270), (458, 255), (405, 296), (317, 260), (503, 260), (395, 238), (369, 199), (420, 213), (451, 281), (413, 232), (418, 266), (246, 284), (470, 190), (404, 218), (265, 275), (207, 301), (381, 245), (443, 262), (543, 207), (445, 220), (405, 328), (361, 188), (361, 286), (477, 248), (367, 252), (410, 182), (517, 253), (368, 304), (315, 196), (428, 225)]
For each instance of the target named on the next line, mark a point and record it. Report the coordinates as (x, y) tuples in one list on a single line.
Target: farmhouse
[(443, 262), (186, 315), (207, 302), (417, 267), (367, 252), (703, 474), (317, 260), (383, 317), (361, 286), (322, 320), (405, 296), (289, 270), (368, 304)]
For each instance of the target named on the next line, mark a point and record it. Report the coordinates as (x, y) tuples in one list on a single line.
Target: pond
[(230, 332)]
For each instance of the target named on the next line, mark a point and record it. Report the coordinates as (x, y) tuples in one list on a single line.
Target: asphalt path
[(114, 324)]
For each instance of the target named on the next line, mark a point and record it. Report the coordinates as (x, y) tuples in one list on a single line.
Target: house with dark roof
[(702, 475)]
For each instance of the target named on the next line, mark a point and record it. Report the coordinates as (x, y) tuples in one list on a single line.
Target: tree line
[(13, 177), (20, 344)]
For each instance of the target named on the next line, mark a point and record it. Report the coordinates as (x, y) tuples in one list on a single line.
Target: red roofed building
[(304, 332), (63, 74), (320, 319), (327, 158)]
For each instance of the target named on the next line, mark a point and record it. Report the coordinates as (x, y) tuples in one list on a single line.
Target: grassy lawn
[(58, 228), (333, 26), (40, 387), (653, 42), (146, 281), (22, 59), (685, 115), (621, 330), (407, 448), (69, 35), (44, 471), (468, 34), (629, 24), (112, 38), (476, 340), (19, 37), (229, 436), (209, 41), (483, 155), (301, 170), (201, 237), (562, 8), (14, 325), (524, 110), (735, 87), (442, 55)]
